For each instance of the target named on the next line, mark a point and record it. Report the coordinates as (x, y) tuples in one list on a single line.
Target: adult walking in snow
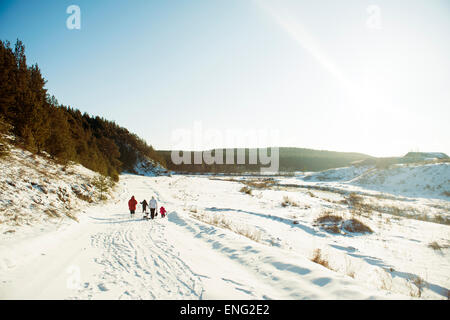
[(132, 205), (152, 205)]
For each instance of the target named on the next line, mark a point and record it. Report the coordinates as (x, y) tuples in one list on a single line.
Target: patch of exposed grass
[(357, 205), (4, 150), (349, 269), (80, 195), (312, 195), (318, 258), (52, 213), (435, 246), (419, 284), (356, 226), (288, 202), (332, 228), (335, 224), (71, 216), (260, 183), (222, 222), (192, 209), (246, 190), (354, 199), (328, 217), (329, 222), (252, 235), (405, 212), (386, 283), (257, 183)]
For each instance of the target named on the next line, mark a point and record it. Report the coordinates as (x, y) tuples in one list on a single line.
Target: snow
[(219, 243), (148, 167), (39, 198), (36, 190), (338, 174), (430, 180)]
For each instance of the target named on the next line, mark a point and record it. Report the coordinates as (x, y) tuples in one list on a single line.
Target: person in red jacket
[(132, 205), (163, 211)]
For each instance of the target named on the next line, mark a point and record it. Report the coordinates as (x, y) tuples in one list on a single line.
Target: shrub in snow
[(435, 246), (329, 222), (318, 258), (288, 202), (354, 225), (334, 224), (246, 190)]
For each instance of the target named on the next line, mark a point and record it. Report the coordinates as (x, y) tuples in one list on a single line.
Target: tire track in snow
[(137, 262)]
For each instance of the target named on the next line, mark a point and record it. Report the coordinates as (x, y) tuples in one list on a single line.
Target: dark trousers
[(152, 212), (131, 211)]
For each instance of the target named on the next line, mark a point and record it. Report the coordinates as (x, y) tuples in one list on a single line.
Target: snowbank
[(430, 180), (338, 174), (36, 191), (149, 168)]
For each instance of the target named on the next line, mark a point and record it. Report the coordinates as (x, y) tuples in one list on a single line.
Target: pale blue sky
[(313, 70)]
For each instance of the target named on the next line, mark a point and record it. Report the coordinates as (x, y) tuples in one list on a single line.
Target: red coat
[(132, 203), (162, 210)]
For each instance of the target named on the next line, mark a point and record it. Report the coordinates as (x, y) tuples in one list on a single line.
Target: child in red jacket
[(163, 211)]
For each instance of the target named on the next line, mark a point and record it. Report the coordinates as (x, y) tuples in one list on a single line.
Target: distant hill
[(410, 157), (299, 159), (423, 156), (291, 159)]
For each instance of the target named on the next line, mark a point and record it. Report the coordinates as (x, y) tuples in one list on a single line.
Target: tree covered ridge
[(290, 160), (40, 123)]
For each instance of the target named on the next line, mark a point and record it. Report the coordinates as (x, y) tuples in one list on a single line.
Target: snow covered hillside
[(338, 174), (413, 180), (425, 180), (148, 167), (239, 238), (37, 192)]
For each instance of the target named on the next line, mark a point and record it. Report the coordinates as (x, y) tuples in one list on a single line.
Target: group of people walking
[(152, 204)]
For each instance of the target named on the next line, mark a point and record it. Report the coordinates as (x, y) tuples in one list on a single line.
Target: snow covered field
[(220, 243)]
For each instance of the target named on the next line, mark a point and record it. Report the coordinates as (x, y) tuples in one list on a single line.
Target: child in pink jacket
[(163, 211)]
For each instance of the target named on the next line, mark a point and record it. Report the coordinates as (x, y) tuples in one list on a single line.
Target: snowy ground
[(220, 243), (36, 191)]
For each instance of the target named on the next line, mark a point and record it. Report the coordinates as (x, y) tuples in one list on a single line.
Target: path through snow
[(110, 255)]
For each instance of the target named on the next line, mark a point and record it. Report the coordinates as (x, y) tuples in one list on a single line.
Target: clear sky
[(354, 75)]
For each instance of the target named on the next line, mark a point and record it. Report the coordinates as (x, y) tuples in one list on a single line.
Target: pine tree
[(22, 111), (102, 183), (39, 123), (7, 82), (60, 144)]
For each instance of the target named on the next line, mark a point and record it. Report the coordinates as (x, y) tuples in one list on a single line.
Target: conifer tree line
[(40, 123), (290, 160)]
